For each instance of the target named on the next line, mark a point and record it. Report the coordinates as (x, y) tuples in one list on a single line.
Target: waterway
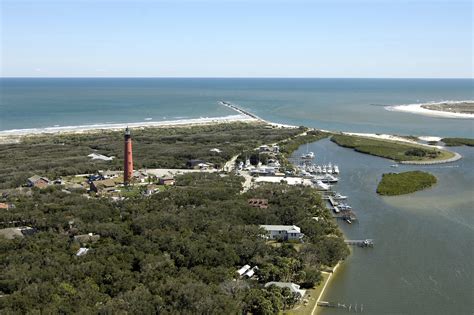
[(423, 254), (422, 260)]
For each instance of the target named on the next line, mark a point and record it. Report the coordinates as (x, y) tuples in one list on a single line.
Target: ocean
[(422, 262), (356, 105)]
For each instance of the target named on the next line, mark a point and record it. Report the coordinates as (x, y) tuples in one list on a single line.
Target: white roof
[(243, 270), (82, 251), (292, 286), (287, 228), (251, 272)]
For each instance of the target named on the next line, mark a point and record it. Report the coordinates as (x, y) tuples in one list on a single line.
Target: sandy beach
[(15, 135), (420, 110)]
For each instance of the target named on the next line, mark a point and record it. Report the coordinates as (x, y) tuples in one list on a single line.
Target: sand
[(418, 109)]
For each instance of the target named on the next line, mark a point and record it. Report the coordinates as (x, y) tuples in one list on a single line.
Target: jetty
[(240, 110)]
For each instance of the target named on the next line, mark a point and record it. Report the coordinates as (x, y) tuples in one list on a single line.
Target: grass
[(397, 151), (455, 142), (393, 184), (312, 296)]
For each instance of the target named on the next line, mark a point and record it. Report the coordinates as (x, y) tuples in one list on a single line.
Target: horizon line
[(229, 77)]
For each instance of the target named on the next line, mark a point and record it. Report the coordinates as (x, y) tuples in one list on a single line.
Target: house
[(251, 272), (167, 181), (140, 176), (247, 271), (87, 238), (6, 206), (109, 174), (258, 203), (95, 177), (105, 185), (194, 163), (82, 251), (283, 232), (243, 270), (294, 288), (11, 233), (38, 181), (151, 189)]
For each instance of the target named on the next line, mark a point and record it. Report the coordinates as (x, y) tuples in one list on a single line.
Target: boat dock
[(360, 243), (350, 308), (340, 212)]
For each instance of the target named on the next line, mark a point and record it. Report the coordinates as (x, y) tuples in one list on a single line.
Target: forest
[(60, 155), (174, 252)]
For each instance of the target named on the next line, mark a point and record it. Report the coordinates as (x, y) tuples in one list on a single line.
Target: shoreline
[(387, 137), (326, 283), (420, 110), (15, 135)]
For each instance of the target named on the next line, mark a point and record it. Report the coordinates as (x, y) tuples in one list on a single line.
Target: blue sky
[(260, 38)]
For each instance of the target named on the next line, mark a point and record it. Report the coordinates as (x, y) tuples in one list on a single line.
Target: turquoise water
[(422, 262), (334, 104)]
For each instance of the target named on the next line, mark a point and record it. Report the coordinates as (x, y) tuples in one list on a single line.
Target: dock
[(360, 243), (341, 213), (350, 308)]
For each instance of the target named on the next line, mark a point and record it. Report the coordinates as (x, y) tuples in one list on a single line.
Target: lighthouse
[(128, 158)]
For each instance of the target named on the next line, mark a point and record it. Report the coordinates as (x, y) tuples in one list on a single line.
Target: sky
[(222, 38)]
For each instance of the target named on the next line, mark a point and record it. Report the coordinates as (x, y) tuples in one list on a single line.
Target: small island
[(462, 107), (456, 142), (406, 152), (394, 184)]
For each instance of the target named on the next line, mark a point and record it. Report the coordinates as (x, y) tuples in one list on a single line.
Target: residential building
[(283, 232), (294, 288), (38, 181)]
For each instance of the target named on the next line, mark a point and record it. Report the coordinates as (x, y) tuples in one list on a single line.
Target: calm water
[(423, 259), (422, 262)]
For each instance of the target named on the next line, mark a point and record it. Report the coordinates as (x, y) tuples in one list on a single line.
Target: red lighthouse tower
[(128, 158)]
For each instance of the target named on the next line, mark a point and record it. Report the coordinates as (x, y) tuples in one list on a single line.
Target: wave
[(122, 125)]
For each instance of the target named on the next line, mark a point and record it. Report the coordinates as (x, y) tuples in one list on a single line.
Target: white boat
[(320, 185), (329, 179), (308, 156), (338, 196), (394, 165), (336, 170), (344, 206)]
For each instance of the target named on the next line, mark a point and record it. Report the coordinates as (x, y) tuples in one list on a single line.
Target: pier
[(340, 212), (350, 308), (360, 243), (240, 110)]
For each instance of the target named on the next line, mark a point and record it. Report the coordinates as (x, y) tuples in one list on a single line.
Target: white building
[(283, 232), (294, 288)]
